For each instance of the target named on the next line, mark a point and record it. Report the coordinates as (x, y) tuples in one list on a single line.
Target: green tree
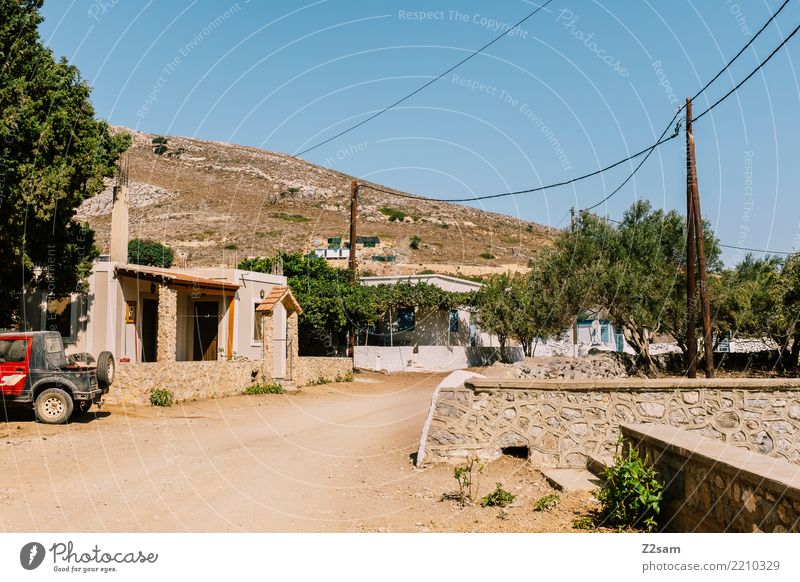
[(53, 155), (150, 253), (634, 271), (494, 309)]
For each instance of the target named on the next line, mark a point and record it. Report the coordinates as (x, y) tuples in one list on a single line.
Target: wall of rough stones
[(713, 487), (186, 380), (313, 370), (564, 422)]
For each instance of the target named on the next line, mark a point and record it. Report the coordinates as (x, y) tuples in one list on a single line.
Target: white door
[(279, 339)]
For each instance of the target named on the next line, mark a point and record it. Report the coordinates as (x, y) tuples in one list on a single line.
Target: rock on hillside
[(218, 203)]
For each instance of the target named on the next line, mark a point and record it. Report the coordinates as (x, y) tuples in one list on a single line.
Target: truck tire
[(53, 406), (106, 369)]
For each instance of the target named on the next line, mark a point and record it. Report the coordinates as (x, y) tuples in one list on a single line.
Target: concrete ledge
[(716, 487), (636, 384)]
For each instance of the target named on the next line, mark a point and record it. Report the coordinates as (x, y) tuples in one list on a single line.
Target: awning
[(175, 278)]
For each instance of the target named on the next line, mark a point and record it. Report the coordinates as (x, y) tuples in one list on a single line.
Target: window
[(258, 316), (59, 316), (405, 319), (14, 351), (454, 322)]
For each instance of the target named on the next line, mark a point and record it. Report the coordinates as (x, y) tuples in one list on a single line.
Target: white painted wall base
[(428, 358)]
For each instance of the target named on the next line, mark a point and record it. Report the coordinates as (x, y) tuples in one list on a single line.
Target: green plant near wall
[(468, 478), (265, 388), (498, 497), (161, 397), (632, 496), (547, 502)]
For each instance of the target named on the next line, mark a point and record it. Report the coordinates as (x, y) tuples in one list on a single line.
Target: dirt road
[(330, 458)]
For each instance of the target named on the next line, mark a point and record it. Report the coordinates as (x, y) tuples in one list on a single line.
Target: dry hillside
[(216, 203)]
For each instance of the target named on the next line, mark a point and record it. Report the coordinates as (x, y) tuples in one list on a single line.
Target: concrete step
[(572, 479), (598, 464)]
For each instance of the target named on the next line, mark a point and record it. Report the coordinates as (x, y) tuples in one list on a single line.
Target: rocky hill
[(216, 203)]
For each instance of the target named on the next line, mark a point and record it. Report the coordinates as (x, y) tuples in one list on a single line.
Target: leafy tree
[(761, 298), (151, 253), (495, 310), (53, 155), (635, 271)]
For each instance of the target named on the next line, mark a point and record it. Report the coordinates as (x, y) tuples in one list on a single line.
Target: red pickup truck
[(34, 371)]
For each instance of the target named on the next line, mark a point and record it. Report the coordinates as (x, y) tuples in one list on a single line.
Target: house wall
[(247, 297), (320, 370)]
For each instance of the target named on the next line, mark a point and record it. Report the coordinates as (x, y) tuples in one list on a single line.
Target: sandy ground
[(330, 458)]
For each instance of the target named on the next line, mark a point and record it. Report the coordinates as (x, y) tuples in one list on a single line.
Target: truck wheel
[(53, 406), (106, 368)]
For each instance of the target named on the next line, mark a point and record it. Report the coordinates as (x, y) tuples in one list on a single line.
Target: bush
[(267, 388), (414, 244), (289, 217), (547, 502), (631, 498), (231, 247), (393, 214), (348, 377), (467, 476), (583, 522), (160, 397), (150, 253), (487, 256), (497, 498)]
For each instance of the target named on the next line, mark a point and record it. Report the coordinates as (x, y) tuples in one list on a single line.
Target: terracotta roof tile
[(278, 294)]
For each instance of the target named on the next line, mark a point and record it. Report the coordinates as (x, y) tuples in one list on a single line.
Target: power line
[(646, 152), (756, 250), (747, 78), (423, 87), (696, 95)]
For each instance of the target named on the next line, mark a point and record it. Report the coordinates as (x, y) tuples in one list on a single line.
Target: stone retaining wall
[(186, 380), (714, 487), (562, 423), (313, 370)]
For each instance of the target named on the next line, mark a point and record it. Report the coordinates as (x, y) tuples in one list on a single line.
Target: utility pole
[(691, 286), (351, 340), (696, 220)]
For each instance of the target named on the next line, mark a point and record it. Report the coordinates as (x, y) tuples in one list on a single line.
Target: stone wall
[(564, 422), (311, 370), (714, 487), (186, 380)]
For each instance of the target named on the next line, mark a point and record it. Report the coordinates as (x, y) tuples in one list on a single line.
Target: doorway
[(149, 330), (206, 328)]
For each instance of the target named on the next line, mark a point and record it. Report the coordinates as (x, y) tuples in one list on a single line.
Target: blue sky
[(580, 85)]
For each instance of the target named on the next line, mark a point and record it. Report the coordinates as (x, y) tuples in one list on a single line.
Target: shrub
[(348, 377), (231, 247), (632, 495), (547, 502), (393, 214), (414, 244), (289, 217), (150, 253), (266, 388), (583, 522), (160, 397), (488, 256), (498, 498), (467, 477)]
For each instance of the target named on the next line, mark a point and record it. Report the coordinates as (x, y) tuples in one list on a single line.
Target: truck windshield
[(13, 350)]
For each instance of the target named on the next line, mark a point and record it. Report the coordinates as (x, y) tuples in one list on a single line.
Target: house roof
[(279, 294), (446, 282), (173, 277)]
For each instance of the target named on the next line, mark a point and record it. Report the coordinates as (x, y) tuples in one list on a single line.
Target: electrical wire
[(423, 87)]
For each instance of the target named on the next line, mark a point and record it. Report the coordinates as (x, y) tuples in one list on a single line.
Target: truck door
[(14, 365)]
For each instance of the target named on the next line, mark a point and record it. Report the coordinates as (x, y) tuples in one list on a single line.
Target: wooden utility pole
[(691, 286), (696, 219), (352, 265)]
